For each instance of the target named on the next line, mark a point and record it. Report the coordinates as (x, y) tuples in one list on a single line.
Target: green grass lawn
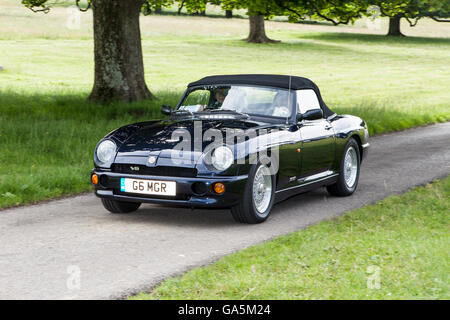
[(48, 130), (395, 249)]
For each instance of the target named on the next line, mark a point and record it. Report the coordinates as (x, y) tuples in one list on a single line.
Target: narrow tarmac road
[(74, 249)]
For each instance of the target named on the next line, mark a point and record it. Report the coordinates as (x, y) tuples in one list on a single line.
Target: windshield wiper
[(230, 111), (183, 111)]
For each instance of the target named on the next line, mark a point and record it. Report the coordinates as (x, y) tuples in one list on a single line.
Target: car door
[(289, 157), (318, 137)]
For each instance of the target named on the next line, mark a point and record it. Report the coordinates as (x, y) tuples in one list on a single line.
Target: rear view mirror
[(167, 110), (310, 115)]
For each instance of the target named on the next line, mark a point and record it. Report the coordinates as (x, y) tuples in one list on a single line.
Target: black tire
[(245, 211), (340, 188), (115, 206)]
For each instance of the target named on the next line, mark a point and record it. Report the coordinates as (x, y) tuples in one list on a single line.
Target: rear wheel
[(257, 200), (349, 171), (115, 206)]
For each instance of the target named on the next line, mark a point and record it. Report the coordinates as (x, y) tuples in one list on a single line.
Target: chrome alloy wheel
[(350, 167), (262, 190)]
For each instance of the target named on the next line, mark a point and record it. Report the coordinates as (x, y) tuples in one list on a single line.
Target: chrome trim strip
[(307, 183), (316, 176)]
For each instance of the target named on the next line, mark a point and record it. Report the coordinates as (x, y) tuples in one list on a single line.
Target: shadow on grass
[(283, 46), (333, 45), (374, 38), (22, 108), (322, 51), (75, 106)]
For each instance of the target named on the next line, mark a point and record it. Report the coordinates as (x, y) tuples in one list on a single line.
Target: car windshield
[(250, 100)]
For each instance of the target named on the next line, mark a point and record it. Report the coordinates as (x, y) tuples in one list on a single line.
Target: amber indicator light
[(219, 187)]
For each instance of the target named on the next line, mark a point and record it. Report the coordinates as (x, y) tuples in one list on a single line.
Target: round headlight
[(106, 151), (222, 158)]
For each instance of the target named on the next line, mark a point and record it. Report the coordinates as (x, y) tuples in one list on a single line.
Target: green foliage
[(148, 6), (413, 10), (36, 5), (45, 5), (151, 6), (267, 8), (395, 249), (192, 6), (344, 12), (336, 12)]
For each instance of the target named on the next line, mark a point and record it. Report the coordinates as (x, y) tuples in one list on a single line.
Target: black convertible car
[(242, 142)]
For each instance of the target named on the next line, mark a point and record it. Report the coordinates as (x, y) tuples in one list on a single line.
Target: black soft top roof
[(271, 80)]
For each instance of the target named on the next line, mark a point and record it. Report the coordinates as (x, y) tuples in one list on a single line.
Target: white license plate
[(164, 188)]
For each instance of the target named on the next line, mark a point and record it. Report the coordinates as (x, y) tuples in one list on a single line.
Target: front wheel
[(349, 171), (257, 200), (115, 206)]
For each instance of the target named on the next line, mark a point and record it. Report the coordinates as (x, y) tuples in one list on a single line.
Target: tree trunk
[(180, 7), (229, 14), (394, 26), (119, 67), (257, 32)]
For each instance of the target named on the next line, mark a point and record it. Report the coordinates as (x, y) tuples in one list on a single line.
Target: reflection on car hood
[(143, 138)]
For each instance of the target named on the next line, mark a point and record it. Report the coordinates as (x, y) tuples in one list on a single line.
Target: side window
[(307, 100), (196, 100), (199, 96)]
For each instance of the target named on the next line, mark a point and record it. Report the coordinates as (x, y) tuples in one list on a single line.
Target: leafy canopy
[(414, 10)]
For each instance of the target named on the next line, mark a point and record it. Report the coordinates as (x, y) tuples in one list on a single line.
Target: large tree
[(258, 11), (344, 12), (412, 11), (334, 11), (119, 67)]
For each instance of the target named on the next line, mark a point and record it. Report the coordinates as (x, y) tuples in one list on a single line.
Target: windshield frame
[(293, 99)]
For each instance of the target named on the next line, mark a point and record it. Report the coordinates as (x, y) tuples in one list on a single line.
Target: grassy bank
[(395, 249), (48, 130), (47, 143)]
